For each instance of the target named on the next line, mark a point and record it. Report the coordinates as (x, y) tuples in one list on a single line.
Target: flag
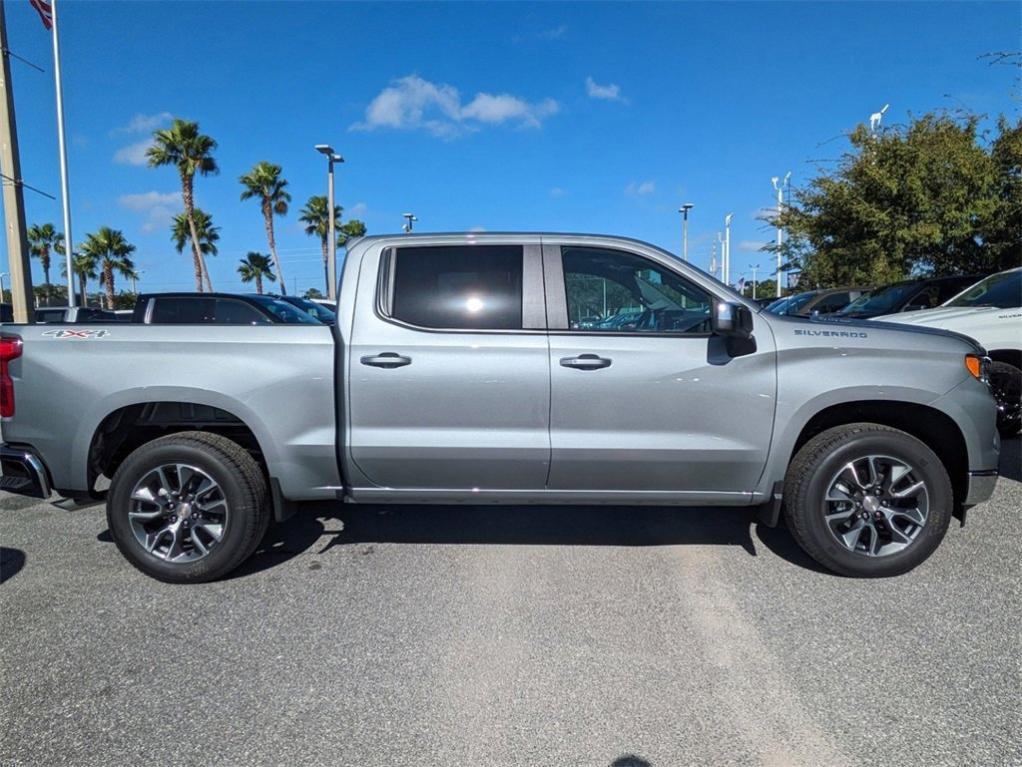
[(45, 11)]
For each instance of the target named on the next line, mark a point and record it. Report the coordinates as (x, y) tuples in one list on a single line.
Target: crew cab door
[(643, 397), (449, 368)]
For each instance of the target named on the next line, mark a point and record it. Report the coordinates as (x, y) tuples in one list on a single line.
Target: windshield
[(320, 312), (795, 303), (882, 301), (777, 306), (285, 312), (1001, 290)]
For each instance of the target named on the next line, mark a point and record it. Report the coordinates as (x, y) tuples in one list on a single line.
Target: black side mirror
[(731, 320)]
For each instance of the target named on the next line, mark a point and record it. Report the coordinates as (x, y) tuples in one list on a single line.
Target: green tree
[(316, 218), (111, 252), (904, 201), (84, 266), (255, 267), (350, 230), (43, 240), (313, 293), (264, 183), (191, 152), (206, 234), (1002, 229)]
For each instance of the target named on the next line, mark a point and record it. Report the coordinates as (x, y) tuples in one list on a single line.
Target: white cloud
[(609, 92), (133, 154), (158, 208), (556, 192), (751, 246), (640, 188), (412, 103), (555, 33), (141, 123), (478, 229), (358, 210)]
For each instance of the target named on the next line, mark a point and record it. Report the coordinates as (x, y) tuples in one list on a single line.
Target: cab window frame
[(557, 287)]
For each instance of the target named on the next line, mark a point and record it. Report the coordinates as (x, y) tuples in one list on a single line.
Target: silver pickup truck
[(504, 368)]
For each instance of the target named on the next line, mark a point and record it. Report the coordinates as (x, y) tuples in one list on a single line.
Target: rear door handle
[(386, 360), (585, 362)]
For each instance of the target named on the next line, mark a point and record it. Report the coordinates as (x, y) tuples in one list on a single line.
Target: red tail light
[(10, 349)]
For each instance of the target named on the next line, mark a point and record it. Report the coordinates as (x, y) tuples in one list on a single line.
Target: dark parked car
[(6, 313), (73, 315), (817, 302), (319, 311), (217, 308), (907, 296)]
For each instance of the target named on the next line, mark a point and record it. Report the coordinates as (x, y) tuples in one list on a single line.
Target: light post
[(331, 268), (779, 188), (683, 210), (2, 275), (410, 219), (727, 248), (755, 267)]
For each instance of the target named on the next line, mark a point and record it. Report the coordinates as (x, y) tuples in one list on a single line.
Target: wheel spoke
[(909, 491), (913, 515), (146, 515), (145, 494), (197, 540), (839, 491), (174, 550), (850, 467), (214, 529), (875, 544), (851, 537), (834, 516)]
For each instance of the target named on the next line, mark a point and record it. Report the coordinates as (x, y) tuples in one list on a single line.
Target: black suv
[(907, 296), (217, 308)]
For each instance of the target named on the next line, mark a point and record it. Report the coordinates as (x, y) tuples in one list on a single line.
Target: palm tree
[(111, 251), (182, 146), (84, 266), (264, 183), (44, 239), (317, 222), (353, 228), (207, 234), (257, 267)]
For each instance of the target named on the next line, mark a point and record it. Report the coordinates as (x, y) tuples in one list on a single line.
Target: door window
[(464, 287), (612, 291)]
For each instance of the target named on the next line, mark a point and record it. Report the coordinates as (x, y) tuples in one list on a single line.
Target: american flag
[(45, 11)]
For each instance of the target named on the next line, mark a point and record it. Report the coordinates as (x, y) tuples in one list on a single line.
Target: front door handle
[(585, 362), (386, 360)]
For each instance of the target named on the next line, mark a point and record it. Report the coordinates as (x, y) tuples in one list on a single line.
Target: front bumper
[(22, 472), (981, 486)]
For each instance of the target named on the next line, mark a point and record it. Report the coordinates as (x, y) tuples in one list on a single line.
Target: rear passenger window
[(237, 313), (177, 311), (468, 287)]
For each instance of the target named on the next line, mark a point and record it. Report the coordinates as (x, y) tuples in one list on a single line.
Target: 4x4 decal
[(67, 333)]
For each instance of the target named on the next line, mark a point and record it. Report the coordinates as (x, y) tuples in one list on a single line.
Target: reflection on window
[(618, 292), (475, 287)]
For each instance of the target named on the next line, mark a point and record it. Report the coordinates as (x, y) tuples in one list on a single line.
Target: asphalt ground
[(384, 635)]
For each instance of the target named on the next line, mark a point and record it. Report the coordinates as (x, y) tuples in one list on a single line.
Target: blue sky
[(571, 117)]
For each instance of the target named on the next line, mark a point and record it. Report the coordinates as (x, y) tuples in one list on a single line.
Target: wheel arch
[(931, 426)]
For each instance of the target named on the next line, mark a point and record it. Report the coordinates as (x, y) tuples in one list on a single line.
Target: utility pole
[(62, 146), (713, 257), (14, 199), (779, 188), (727, 248), (683, 210), (754, 268)]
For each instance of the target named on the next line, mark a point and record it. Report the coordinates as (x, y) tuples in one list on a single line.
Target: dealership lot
[(536, 636)]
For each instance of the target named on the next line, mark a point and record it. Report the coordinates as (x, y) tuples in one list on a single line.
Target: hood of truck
[(944, 316)]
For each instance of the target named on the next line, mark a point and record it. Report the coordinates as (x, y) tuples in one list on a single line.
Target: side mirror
[(731, 320)]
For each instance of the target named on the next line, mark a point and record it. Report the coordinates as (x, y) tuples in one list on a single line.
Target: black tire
[(1006, 386), (810, 475), (244, 488)]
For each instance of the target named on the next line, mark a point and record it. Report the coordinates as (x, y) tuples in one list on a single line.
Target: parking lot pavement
[(511, 636)]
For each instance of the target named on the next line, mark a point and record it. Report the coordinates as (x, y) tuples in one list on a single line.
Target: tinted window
[(282, 311), (6, 313), (228, 312), (469, 287), (618, 292), (951, 288), (1001, 290), (176, 311), (832, 303), (49, 315)]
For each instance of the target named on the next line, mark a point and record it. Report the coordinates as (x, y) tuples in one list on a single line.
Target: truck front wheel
[(188, 508), (867, 500)]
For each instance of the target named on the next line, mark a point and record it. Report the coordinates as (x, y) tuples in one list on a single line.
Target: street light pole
[(331, 261), (779, 188), (727, 248), (755, 267), (410, 219), (683, 210)]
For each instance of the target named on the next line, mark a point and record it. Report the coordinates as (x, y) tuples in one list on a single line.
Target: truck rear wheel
[(189, 507), (867, 500)]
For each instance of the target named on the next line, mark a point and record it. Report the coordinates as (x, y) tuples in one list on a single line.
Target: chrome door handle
[(386, 360), (585, 362)]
